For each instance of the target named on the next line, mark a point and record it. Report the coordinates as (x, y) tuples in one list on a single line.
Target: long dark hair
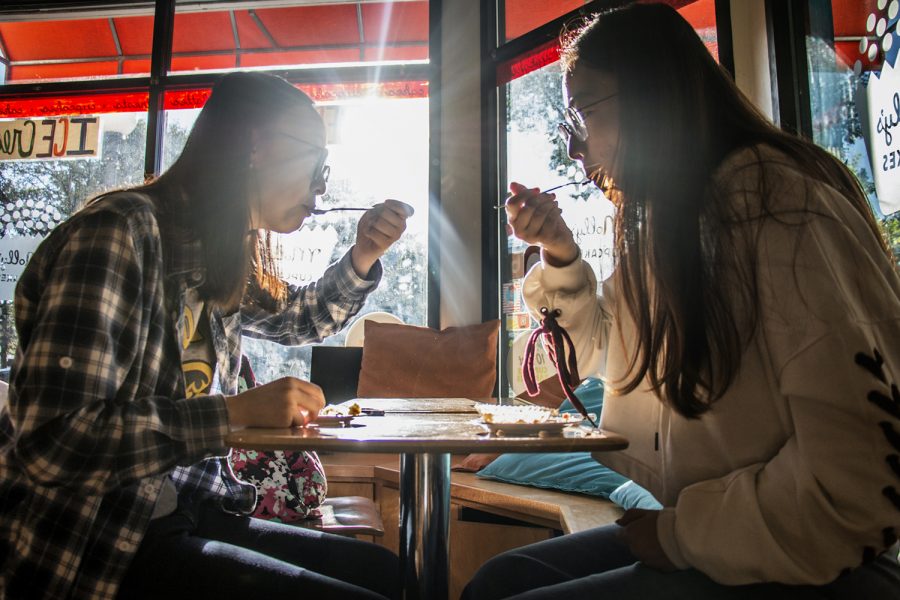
[(206, 192), (680, 116)]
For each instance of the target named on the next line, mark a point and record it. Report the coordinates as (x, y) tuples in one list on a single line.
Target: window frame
[(495, 257), (161, 81)]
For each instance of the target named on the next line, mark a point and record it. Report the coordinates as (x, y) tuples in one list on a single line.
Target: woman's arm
[(561, 280), (321, 309), (317, 310)]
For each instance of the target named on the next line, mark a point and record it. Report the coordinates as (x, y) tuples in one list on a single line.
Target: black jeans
[(596, 564), (201, 552)]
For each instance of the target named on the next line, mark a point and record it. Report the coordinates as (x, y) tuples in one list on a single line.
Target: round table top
[(408, 426)]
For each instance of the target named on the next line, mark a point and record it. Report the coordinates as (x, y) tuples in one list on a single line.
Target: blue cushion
[(590, 392), (568, 472), (571, 472), (631, 495)]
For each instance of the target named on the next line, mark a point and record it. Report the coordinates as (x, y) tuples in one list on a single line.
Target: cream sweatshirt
[(794, 475)]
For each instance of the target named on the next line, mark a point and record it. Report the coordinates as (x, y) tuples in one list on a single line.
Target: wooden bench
[(487, 518)]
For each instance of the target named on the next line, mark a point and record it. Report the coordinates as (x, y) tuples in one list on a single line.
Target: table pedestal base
[(424, 525)]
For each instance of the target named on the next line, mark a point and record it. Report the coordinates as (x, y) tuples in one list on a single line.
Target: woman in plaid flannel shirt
[(130, 316)]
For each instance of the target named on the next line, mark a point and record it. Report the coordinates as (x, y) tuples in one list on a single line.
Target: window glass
[(701, 14), (522, 16), (378, 149), (301, 35), (76, 48), (536, 157), (855, 97), (51, 161)]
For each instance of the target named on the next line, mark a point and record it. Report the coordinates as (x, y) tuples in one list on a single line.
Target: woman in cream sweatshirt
[(749, 339)]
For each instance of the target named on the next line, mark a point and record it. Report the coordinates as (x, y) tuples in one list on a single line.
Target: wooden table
[(425, 431)]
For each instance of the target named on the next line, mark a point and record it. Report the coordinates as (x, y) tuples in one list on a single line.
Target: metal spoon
[(322, 211), (553, 189)]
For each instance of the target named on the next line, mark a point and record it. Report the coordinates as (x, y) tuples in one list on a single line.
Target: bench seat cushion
[(568, 472)]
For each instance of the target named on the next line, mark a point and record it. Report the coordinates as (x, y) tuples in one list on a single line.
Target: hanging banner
[(15, 252), (51, 138)]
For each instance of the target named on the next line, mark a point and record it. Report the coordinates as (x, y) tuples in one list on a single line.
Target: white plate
[(528, 429), (333, 420), (494, 413)]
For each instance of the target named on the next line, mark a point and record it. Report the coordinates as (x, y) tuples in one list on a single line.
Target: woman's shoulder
[(134, 209), (745, 167), (103, 230), (132, 204), (108, 220), (763, 179)]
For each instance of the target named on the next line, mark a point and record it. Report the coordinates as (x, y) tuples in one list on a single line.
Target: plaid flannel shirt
[(97, 416)]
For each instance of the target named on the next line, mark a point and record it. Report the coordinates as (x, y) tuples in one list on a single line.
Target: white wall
[(751, 52), (460, 224)]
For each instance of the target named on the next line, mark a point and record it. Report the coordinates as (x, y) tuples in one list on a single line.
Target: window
[(307, 34), (534, 155), (522, 16), (57, 154), (302, 35), (377, 149), (854, 90), (378, 122), (76, 48)]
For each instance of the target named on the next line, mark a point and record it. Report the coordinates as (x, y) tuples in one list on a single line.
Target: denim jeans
[(201, 552), (596, 564)]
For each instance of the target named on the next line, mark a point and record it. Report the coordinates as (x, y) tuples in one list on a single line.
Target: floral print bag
[(290, 485)]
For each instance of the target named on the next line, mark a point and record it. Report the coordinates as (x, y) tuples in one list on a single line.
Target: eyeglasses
[(322, 170), (574, 124)]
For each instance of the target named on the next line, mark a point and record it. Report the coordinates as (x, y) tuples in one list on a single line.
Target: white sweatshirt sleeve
[(573, 290), (830, 498)]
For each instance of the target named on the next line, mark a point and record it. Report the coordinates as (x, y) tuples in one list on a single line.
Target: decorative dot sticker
[(29, 217)]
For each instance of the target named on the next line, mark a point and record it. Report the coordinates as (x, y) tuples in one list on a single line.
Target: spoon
[(322, 211), (554, 188)]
